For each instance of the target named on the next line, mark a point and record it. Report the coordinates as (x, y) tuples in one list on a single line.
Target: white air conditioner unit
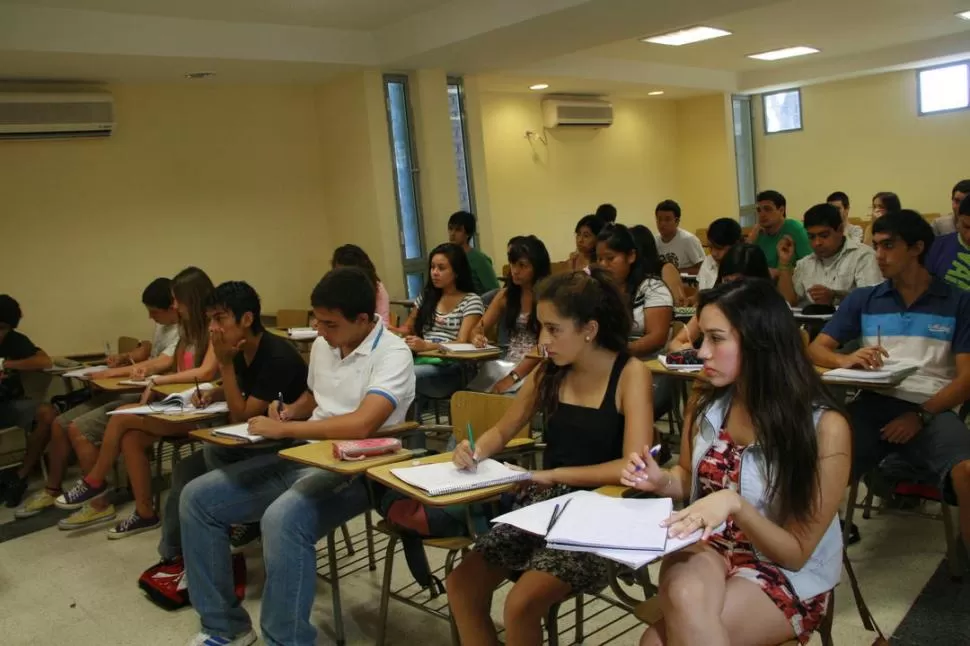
[(55, 115), (588, 113)]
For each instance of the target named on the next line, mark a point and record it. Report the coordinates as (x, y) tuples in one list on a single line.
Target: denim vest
[(823, 569)]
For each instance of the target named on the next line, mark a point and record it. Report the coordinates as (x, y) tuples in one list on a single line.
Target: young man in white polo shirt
[(361, 378), (837, 265), (675, 245)]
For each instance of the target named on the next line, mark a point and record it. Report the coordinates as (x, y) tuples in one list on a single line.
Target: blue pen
[(654, 452)]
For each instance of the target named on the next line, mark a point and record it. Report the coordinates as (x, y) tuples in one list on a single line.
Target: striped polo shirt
[(930, 332)]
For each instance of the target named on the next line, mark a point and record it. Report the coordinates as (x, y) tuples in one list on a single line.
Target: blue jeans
[(437, 381), (296, 506)]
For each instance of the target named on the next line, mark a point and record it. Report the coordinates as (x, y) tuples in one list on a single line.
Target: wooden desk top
[(613, 491), (206, 435), (188, 417), (484, 355), (383, 475), (115, 385), (320, 455)]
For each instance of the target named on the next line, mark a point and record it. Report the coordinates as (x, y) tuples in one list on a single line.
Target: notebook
[(891, 372), (133, 382), (444, 478), (301, 333), (82, 373), (238, 431), (636, 559), (466, 347), (680, 367)]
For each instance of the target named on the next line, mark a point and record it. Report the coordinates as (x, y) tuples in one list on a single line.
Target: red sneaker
[(163, 584)]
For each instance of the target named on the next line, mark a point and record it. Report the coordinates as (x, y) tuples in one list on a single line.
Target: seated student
[(606, 213), (257, 368), (840, 201), (949, 257), (647, 245), (83, 426), (945, 225), (19, 354), (920, 318), (723, 234), (190, 289), (882, 202), (837, 266), (773, 225), (350, 255), (742, 260), (446, 311), (461, 231), (769, 456), (514, 311), (588, 227), (361, 379), (592, 396), (682, 248)]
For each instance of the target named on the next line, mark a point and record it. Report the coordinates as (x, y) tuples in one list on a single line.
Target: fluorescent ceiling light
[(687, 36), (539, 86), (964, 14), (788, 52), (655, 93)]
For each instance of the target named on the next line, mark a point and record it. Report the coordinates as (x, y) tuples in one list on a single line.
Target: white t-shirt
[(652, 292), (382, 364), (944, 224), (445, 327), (684, 250), (165, 339), (707, 275)]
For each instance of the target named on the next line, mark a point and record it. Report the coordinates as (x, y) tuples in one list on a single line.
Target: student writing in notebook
[(597, 404), (257, 368), (83, 426), (361, 379), (194, 360), (768, 454)]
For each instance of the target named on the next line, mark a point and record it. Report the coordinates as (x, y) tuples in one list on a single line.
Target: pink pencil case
[(361, 449)]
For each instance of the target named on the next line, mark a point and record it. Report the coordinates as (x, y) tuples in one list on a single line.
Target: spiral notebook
[(443, 478)]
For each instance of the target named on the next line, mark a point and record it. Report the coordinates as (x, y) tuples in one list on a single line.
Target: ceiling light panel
[(788, 52), (687, 36)]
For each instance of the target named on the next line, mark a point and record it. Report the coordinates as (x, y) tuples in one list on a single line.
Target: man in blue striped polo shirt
[(918, 318)]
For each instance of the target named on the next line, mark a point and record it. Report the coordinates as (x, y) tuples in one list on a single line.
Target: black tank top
[(579, 436)]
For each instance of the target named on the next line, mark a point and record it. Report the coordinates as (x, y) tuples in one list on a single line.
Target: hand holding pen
[(277, 410), (867, 358), (642, 471), (466, 456)]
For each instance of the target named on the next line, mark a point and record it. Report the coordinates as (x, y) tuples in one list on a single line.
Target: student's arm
[(205, 372), (635, 392), (643, 473), (494, 439), (845, 326), (38, 361), (301, 409), (656, 329), (128, 359), (753, 234), (695, 256), (789, 273), (383, 304), (473, 311), (160, 364), (523, 369), (802, 245), (791, 544), (957, 391), (492, 317), (684, 338), (671, 277)]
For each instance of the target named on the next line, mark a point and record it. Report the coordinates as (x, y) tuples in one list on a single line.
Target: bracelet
[(666, 484)]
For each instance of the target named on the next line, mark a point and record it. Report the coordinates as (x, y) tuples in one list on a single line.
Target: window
[(744, 158), (783, 111), (459, 138), (942, 89), (405, 169)]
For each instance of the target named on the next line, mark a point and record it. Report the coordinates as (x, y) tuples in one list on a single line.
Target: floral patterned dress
[(720, 469)]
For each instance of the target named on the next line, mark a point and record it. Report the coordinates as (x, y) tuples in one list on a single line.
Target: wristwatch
[(925, 416), (516, 377)]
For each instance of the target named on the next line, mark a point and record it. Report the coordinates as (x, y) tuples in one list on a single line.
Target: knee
[(960, 475), (281, 521), (191, 501), (131, 443), (523, 607), (681, 593), (651, 637), (45, 414)]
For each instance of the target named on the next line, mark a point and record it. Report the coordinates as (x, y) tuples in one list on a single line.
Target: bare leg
[(960, 477), (470, 587), (87, 453), (37, 439), (528, 603), (59, 452), (133, 446), (744, 599)]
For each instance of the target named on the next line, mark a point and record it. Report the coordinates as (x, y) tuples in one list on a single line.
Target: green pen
[(471, 441)]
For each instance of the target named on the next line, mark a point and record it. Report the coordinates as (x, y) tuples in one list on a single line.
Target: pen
[(279, 409), (471, 441), (198, 391), (107, 349), (557, 513), (654, 452)]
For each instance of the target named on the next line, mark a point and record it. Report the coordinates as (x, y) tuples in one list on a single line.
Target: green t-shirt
[(483, 274), (793, 228)]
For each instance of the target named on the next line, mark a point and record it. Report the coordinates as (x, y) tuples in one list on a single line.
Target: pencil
[(879, 335)]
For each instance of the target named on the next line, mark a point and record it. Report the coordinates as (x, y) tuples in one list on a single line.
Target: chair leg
[(867, 504), (825, 630), (954, 559), (386, 589), (850, 506), (157, 494), (369, 534), (552, 625), (346, 534), (579, 618), (338, 617)]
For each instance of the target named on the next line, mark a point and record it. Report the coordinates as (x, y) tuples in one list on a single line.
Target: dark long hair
[(191, 287), (431, 294), (532, 249), (745, 259), (350, 255), (779, 388), (582, 297), (653, 264), (889, 200), (618, 238)]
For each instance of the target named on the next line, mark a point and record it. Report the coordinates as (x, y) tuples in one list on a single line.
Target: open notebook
[(238, 431), (444, 478), (892, 371), (467, 347), (301, 333)]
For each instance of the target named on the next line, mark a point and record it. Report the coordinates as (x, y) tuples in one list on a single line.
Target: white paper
[(467, 347), (301, 333), (442, 478), (82, 373), (159, 409), (535, 518), (636, 559), (239, 431), (185, 396), (890, 370), (134, 382), (615, 523), (679, 366)]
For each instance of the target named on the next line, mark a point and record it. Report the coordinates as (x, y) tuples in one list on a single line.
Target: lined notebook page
[(238, 431), (444, 478), (613, 523)]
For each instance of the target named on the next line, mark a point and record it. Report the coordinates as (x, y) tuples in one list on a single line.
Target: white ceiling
[(582, 46)]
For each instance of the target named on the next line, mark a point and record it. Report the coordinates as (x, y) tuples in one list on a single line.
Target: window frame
[(919, 88), (459, 83), (764, 112)]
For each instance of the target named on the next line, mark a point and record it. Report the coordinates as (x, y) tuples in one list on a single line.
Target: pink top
[(383, 303)]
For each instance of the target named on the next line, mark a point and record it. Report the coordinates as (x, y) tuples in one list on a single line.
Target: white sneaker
[(204, 639)]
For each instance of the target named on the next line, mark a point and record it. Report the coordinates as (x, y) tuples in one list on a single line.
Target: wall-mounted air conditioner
[(578, 112), (54, 115)]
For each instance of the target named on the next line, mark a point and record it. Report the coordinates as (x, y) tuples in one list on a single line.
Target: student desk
[(482, 355), (114, 385), (283, 334), (320, 455)]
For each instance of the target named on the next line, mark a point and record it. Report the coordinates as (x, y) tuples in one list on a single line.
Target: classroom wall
[(224, 177), (544, 187), (862, 136)]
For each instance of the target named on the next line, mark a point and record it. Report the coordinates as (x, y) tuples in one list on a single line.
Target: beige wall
[(227, 178), (862, 136)]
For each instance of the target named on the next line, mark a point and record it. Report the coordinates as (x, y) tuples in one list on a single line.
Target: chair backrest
[(292, 318), (702, 236), (805, 338), (560, 267), (127, 344), (930, 217), (482, 411), (857, 221)]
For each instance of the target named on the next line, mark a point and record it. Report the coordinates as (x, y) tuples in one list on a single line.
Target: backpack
[(167, 586)]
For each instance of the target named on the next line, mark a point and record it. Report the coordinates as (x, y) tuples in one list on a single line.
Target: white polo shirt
[(382, 364), (852, 267)]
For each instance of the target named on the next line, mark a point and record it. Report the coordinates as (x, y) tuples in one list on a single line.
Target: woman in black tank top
[(597, 403)]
